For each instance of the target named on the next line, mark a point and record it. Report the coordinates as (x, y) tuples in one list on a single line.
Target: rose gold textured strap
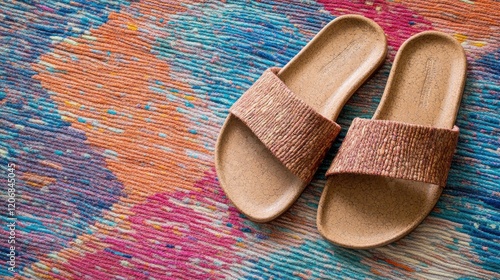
[(294, 132), (397, 150)]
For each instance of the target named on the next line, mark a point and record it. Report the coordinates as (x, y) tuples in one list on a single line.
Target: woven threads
[(296, 134), (100, 221), (397, 150)]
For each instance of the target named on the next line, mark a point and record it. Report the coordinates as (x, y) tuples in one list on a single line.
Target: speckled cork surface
[(324, 74), (424, 88)]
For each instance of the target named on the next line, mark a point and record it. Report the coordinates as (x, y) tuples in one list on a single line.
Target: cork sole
[(324, 74), (425, 87)]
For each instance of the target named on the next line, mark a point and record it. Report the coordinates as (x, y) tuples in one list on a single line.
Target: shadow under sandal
[(390, 170), (278, 132)]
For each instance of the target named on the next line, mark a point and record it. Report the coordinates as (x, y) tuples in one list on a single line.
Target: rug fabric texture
[(109, 115)]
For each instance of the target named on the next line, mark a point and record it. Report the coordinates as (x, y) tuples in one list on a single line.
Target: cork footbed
[(324, 74), (424, 87)]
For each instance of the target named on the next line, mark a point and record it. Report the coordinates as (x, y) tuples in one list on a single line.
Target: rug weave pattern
[(110, 110)]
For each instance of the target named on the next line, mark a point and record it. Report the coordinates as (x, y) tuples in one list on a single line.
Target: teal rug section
[(32, 129)]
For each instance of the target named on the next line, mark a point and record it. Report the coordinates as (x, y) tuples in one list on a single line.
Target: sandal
[(278, 132), (390, 170)]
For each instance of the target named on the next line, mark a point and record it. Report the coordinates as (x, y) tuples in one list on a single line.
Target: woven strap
[(397, 150), (294, 132)]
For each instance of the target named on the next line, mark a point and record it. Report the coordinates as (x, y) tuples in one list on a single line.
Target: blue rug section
[(235, 43)]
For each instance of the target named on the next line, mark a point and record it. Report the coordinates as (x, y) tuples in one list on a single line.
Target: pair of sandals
[(390, 170)]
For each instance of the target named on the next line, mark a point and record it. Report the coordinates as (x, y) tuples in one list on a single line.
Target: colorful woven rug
[(110, 109)]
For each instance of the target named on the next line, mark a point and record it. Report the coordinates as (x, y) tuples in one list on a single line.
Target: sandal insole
[(425, 87), (324, 75)]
